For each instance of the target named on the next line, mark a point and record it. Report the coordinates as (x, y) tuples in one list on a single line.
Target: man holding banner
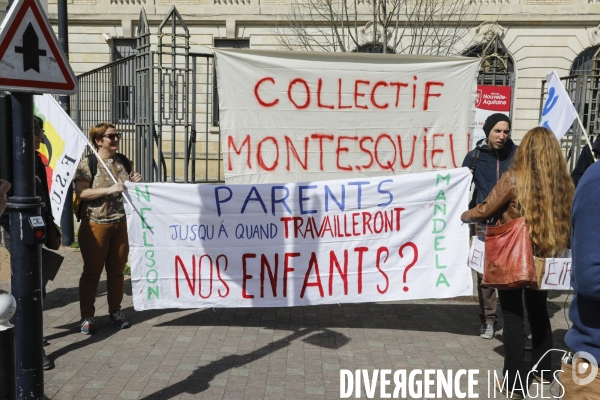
[(487, 162)]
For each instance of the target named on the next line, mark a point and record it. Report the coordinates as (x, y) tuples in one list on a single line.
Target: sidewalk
[(275, 353)]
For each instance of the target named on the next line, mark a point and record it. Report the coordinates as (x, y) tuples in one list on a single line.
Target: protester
[(585, 160), (584, 313), (103, 231), (488, 162), (4, 188), (539, 188), (41, 190)]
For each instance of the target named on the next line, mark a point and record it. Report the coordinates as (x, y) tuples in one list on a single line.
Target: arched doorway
[(496, 79), (585, 60), (497, 66)]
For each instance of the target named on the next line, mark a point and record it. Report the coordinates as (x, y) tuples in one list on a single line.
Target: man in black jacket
[(488, 161), (585, 160)]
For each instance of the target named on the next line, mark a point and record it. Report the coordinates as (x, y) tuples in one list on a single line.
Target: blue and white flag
[(558, 113)]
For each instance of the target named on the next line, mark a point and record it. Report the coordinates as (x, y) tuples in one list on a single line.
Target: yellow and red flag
[(61, 150)]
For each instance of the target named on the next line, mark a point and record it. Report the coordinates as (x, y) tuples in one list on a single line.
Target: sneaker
[(48, 363), (486, 331), (528, 344), (482, 329), (118, 319), (88, 326)]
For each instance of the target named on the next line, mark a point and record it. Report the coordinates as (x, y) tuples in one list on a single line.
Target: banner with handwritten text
[(301, 116), (272, 245), (557, 274)]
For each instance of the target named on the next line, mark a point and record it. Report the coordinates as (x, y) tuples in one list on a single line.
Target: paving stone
[(263, 353)]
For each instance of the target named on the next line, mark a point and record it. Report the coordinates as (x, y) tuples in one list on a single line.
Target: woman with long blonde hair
[(539, 188)]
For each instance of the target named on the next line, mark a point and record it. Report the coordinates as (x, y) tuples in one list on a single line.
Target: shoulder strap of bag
[(125, 161), (474, 159), (93, 165)]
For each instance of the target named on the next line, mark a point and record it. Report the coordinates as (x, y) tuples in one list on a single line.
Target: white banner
[(300, 116), (557, 275), (559, 112), (557, 271), (61, 149), (476, 254), (273, 245)]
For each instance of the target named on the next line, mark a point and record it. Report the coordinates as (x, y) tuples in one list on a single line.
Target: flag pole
[(109, 173), (586, 136)]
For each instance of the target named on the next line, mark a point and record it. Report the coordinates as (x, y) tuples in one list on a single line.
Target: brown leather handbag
[(508, 262)]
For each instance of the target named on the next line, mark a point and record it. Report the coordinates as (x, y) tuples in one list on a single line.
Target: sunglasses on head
[(38, 132), (113, 136)]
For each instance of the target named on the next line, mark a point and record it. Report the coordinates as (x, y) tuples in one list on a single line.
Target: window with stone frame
[(124, 82)]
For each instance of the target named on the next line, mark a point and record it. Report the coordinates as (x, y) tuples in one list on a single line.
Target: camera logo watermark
[(580, 368)]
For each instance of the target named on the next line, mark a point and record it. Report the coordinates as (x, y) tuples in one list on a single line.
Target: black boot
[(48, 363)]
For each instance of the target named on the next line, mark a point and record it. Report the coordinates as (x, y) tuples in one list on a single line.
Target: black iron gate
[(161, 102)]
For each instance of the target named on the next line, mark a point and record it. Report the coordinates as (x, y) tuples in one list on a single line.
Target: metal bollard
[(8, 383)]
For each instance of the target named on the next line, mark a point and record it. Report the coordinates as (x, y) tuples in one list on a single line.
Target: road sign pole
[(26, 259), (68, 234)]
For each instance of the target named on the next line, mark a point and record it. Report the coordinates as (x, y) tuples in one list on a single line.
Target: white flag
[(558, 113), (61, 149)]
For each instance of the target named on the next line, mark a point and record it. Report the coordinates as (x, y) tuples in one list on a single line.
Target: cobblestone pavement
[(271, 353)]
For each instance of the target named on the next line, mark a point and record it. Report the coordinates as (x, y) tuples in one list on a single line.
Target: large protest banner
[(271, 245), (302, 116)]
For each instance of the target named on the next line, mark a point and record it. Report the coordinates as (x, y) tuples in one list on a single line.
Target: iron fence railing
[(106, 94), (161, 101)]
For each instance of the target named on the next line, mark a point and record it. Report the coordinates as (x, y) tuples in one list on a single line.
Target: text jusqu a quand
[(279, 197)]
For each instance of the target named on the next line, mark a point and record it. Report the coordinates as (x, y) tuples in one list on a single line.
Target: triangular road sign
[(31, 59)]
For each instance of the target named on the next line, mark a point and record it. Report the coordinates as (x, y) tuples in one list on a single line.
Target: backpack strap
[(93, 166), (475, 158), (125, 161)]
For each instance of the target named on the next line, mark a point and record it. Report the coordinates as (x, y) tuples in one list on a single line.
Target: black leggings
[(511, 303)]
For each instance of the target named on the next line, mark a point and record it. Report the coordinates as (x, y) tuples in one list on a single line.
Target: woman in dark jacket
[(539, 188), (586, 159)]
